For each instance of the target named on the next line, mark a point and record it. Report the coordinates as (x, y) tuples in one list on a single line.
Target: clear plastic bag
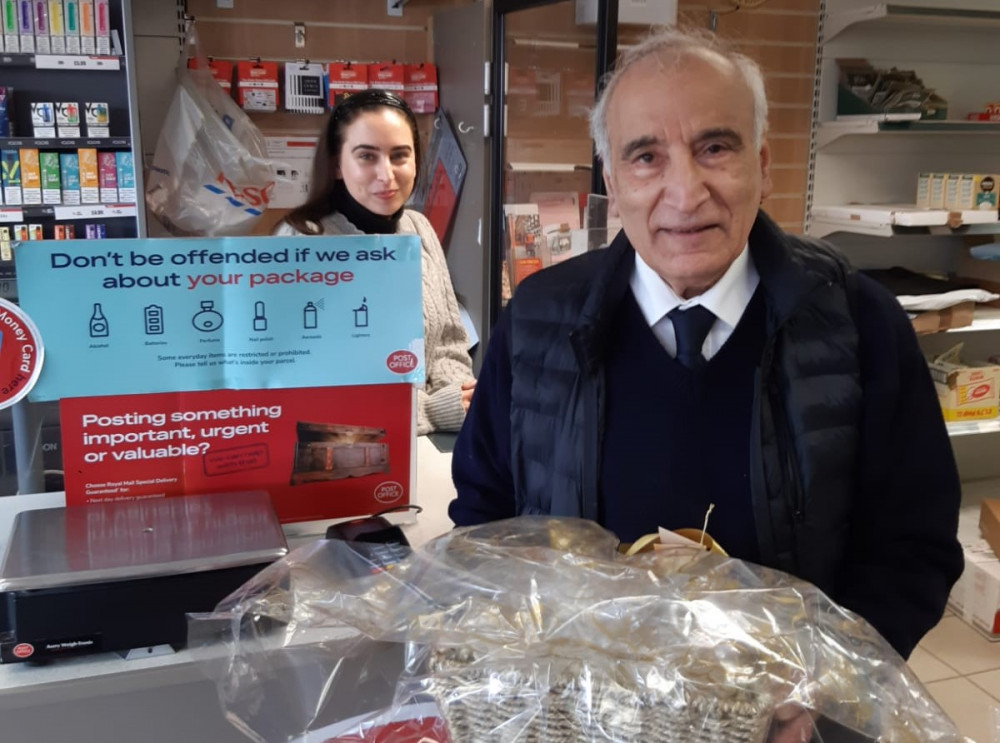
[(210, 174), (536, 629)]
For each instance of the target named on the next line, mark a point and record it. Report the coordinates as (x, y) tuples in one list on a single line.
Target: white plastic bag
[(210, 174)]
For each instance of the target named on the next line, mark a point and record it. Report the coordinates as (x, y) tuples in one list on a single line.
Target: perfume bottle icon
[(98, 322), (259, 318), (309, 319), (208, 319)]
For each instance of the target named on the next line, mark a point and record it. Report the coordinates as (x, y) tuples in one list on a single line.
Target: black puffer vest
[(807, 408)]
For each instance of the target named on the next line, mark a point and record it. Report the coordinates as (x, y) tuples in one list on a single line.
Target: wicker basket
[(555, 701)]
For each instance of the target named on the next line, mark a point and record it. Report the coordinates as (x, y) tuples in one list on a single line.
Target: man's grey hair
[(672, 44)]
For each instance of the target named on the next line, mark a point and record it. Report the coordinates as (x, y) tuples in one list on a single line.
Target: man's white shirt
[(727, 299)]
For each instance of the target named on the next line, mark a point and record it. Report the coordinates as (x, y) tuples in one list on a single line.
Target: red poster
[(441, 200), (322, 453)]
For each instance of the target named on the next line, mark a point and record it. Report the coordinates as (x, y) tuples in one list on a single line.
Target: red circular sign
[(23, 650), (388, 492), (21, 354), (402, 362), (980, 391)]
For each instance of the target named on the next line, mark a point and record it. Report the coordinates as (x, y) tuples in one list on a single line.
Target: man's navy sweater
[(676, 440)]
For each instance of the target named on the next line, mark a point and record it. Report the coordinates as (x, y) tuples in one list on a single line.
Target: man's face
[(682, 172)]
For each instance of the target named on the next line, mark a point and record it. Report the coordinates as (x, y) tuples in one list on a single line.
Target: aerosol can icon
[(309, 319)]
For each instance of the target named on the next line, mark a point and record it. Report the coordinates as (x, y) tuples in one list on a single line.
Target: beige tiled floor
[(961, 669)]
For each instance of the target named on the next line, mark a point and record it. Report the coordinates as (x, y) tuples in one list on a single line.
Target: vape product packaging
[(69, 174), (344, 79), (5, 238), (88, 44), (11, 35), (31, 177), (95, 231), (387, 76), (126, 177), (48, 163), (57, 27), (257, 85), (10, 177), (26, 26), (35, 232), (71, 22), (6, 112), (102, 26), (107, 170), (98, 118), (43, 44), (20, 232), (43, 119), (305, 88), (89, 183), (65, 232), (68, 119), (420, 87)]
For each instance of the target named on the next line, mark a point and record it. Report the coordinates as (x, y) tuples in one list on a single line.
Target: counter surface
[(165, 698)]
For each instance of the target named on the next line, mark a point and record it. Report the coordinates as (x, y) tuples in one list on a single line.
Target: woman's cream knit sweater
[(446, 355)]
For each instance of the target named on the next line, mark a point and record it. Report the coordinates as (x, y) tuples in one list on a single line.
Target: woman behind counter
[(366, 164)]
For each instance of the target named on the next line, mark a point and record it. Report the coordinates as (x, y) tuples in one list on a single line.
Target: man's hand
[(791, 723), (467, 389)]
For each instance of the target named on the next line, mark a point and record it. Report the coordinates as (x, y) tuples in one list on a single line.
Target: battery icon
[(153, 319)]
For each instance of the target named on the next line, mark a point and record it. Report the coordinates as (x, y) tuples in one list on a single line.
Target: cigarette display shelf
[(64, 213), (62, 62), (67, 143)]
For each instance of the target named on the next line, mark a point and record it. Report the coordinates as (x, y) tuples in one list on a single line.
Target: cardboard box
[(966, 392), (936, 321), (989, 523), (976, 595)]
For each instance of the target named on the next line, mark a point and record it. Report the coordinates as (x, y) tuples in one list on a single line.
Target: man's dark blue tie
[(691, 327)]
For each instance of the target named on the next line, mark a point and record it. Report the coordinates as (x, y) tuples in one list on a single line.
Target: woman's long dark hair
[(322, 199)]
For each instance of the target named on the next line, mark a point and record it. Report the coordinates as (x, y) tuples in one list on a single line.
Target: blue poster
[(126, 317)]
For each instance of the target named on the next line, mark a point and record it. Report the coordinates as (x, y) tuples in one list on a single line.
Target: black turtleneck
[(364, 219)]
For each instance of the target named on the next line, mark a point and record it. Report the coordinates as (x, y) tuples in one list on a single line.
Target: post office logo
[(402, 362)]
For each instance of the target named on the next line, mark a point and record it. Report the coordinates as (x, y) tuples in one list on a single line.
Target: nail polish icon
[(98, 322), (259, 318), (309, 318)]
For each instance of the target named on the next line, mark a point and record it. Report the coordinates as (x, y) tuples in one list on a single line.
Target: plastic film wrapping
[(536, 629)]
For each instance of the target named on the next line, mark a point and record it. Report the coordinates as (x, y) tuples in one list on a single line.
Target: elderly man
[(707, 357)]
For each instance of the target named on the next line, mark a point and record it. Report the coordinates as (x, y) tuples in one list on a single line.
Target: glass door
[(548, 56)]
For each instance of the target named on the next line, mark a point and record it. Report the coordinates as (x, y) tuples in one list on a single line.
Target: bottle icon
[(98, 322), (208, 319), (309, 318), (259, 318)]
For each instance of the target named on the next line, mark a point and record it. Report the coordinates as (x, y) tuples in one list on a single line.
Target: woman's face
[(378, 162)]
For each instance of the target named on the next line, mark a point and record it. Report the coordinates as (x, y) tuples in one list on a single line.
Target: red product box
[(221, 70), (257, 85), (387, 76), (420, 87), (345, 78)]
